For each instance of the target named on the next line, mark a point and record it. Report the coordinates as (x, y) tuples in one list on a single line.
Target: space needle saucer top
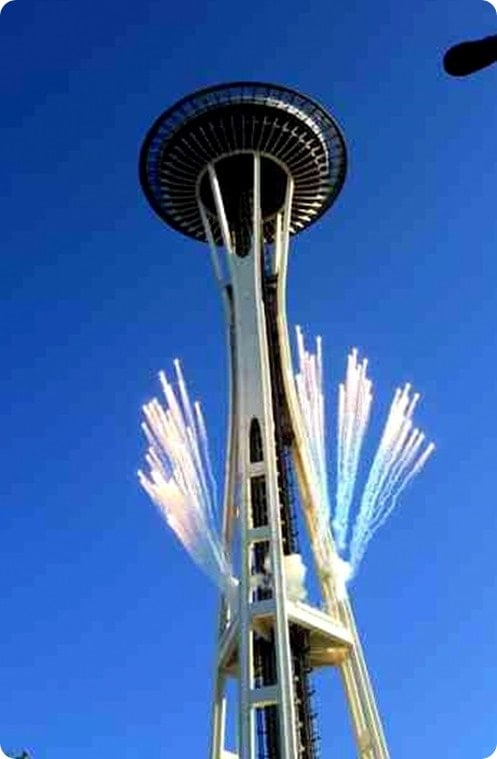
[(223, 126)]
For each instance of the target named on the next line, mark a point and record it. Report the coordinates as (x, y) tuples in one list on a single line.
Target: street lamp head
[(468, 57)]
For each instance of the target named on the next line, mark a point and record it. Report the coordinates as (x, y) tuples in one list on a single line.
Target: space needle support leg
[(281, 627), (372, 744), (219, 698), (219, 719), (302, 461), (354, 702), (221, 213), (236, 266), (365, 719), (216, 264)]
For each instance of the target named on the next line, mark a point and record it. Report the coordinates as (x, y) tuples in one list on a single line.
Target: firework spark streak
[(401, 454), (354, 408), (309, 386), (400, 457), (180, 480)]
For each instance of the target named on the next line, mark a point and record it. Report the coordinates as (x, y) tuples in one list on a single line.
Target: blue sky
[(107, 630)]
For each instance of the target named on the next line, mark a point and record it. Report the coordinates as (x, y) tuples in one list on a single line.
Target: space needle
[(244, 167)]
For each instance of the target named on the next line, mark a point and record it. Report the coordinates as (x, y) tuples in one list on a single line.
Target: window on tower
[(258, 498), (256, 452)]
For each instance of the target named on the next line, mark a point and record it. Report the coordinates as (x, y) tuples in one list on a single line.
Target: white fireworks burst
[(401, 454), (180, 480)]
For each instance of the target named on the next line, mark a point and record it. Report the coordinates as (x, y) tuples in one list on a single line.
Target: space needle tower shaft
[(243, 167)]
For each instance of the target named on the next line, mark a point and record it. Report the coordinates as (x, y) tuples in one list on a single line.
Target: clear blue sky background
[(107, 630)]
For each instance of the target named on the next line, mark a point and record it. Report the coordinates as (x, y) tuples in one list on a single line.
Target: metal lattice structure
[(243, 167)]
